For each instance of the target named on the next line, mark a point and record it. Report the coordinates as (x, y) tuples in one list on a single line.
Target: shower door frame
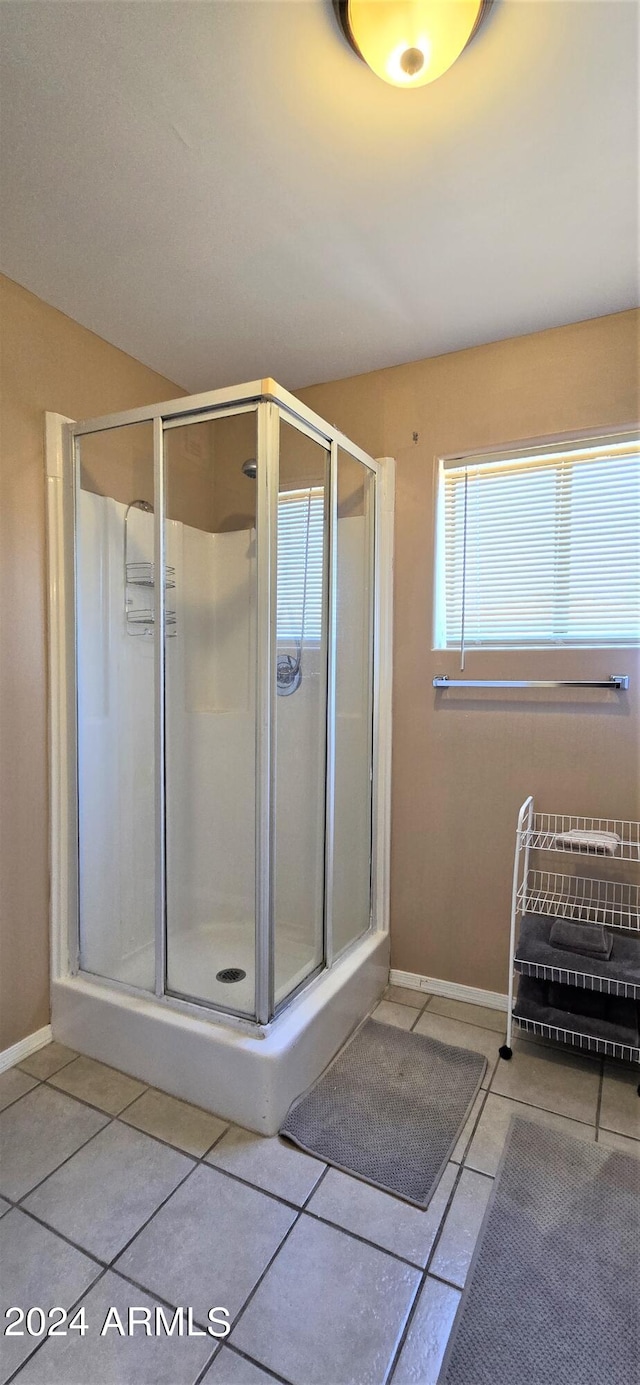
[(271, 403)]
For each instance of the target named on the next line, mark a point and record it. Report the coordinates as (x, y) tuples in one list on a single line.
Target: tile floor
[(114, 1195)]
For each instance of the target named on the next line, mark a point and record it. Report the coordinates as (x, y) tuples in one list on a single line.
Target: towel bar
[(620, 681)]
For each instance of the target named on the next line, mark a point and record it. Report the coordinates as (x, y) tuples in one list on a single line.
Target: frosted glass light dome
[(410, 42)]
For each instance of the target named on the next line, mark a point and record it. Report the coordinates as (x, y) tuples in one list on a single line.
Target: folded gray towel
[(619, 1026), (574, 1000), (589, 939), (577, 1000), (597, 843), (622, 968)]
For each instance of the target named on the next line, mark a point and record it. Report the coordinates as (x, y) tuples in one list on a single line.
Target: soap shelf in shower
[(140, 619), (142, 575), (141, 622)]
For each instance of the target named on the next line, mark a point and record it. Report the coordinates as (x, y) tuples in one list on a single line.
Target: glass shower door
[(210, 710), (300, 708), (353, 719), (116, 704)]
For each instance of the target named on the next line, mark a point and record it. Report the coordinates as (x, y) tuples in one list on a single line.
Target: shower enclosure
[(220, 573)]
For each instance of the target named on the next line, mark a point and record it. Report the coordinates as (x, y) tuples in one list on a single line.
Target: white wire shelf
[(142, 575), (586, 981), (611, 838), (606, 1047), (538, 896), (613, 903), (141, 622)]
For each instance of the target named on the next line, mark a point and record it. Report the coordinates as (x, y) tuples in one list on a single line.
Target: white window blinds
[(541, 547), (300, 564)]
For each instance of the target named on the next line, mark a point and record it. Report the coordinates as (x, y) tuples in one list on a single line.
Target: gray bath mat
[(553, 1296), (389, 1109)]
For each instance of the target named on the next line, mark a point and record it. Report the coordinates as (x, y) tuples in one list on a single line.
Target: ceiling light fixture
[(410, 42)]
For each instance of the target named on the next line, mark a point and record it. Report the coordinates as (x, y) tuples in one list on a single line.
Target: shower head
[(142, 505), (250, 468)]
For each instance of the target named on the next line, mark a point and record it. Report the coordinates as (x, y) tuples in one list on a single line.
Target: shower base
[(196, 955), (243, 1072)]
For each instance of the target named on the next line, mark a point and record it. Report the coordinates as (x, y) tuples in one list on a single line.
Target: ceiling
[(225, 191)]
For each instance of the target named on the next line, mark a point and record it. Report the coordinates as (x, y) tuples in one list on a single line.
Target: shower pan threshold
[(245, 1073)]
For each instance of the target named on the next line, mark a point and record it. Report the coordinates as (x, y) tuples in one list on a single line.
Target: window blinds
[(300, 555), (541, 547)]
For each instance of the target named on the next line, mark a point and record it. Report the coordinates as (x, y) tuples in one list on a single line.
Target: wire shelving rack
[(541, 894)]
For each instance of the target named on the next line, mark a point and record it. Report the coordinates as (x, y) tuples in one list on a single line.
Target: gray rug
[(553, 1296), (389, 1109)]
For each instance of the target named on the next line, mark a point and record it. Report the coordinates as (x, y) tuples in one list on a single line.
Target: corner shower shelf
[(140, 619), (142, 575), (551, 1001), (141, 622)]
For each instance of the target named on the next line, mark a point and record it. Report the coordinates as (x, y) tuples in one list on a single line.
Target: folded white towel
[(599, 843)]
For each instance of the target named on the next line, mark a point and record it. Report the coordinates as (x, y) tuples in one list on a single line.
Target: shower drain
[(231, 974)]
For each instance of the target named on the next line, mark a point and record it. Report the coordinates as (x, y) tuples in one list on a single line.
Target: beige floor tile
[(402, 1016), (209, 1244), (48, 1060), (102, 1196), (180, 1124), (116, 1360), (101, 1086), (550, 1078), (470, 1014), (405, 995), (465, 1136), (462, 1226), (329, 1311), (378, 1217), (231, 1369), (488, 1142), (269, 1163), (612, 1140), (425, 1344), (36, 1268), (462, 1036), (13, 1085), (620, 1108), (38, 1133)]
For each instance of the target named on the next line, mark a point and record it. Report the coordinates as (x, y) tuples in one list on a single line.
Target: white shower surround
[(210, 709), (247, 1072)]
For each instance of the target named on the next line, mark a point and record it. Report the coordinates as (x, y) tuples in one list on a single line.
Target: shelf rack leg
[(526, 811)]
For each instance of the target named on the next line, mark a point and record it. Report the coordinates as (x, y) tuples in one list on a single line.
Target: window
[(540, 547), (300, 564)]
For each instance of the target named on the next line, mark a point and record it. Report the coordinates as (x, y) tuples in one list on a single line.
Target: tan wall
[(301, 463), (119, 463), (47, 362), (463, 764)]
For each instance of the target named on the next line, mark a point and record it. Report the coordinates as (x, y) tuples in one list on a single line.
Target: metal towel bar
[(619, 681)]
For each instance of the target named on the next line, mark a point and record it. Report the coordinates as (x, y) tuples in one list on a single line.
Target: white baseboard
[(10, 1056), (494, 1000)]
